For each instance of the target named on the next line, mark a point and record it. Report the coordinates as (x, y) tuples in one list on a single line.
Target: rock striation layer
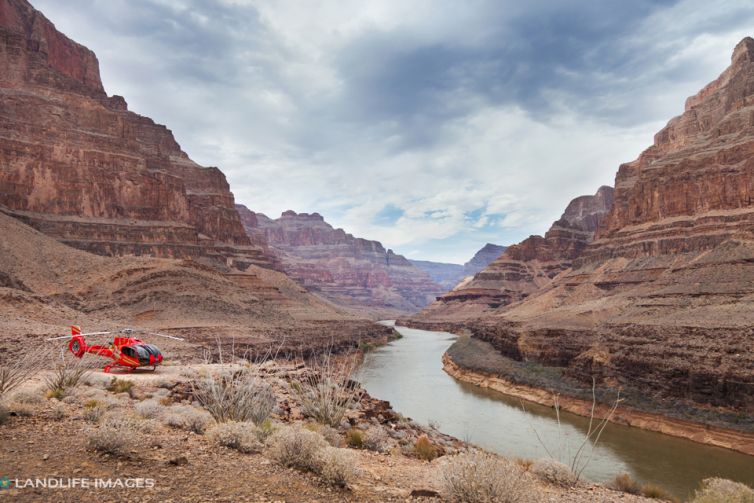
[(482, 258), (350, 271), (78, 166), (526, 267)]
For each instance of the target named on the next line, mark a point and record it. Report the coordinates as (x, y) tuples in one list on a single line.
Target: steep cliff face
[(526, 267), (77, 165), (661, 302), (350, 271)]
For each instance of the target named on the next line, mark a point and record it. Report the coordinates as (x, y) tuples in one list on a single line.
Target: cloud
[(433, 126)]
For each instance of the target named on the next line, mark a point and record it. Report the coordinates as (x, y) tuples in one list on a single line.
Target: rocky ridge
[(78, 166), (350, 271)]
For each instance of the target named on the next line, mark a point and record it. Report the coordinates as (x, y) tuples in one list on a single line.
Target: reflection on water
[(408, 373)]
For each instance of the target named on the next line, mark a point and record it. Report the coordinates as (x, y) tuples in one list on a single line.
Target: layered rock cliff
[(350, 271), (524, 268), (78, 166), (661, 302)]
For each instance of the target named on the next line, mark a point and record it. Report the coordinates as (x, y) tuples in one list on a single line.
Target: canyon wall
[(347, 270), (661, 301), (78, 166)]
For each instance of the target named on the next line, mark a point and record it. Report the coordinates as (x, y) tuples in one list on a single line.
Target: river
[(408, 373)]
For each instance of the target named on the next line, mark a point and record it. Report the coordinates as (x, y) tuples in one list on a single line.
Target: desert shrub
[(17, 369), (4, 414), (188, 418), (120, 386), (330, 434), (239, 436), (425, 449), (20, 408), (264, 431), (524, 463), (716, 490), (113, 436), (58, 412), (326, 390), (93, 411), (479, 477), (235, 395), (28, 397), (625, 483), (657, 492), (376, 439), (148, 408), (336, 466), (355, 438), (554, 472), (68, 374), (296, 447)]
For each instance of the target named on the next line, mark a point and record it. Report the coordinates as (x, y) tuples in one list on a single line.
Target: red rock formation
[(526, 267), (79, 166), (350, 271)]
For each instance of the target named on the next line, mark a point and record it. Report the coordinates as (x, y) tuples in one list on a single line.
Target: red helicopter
[(128, 353)]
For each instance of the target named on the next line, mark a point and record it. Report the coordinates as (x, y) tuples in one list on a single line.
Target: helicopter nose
[(159, 358), (151, 359)]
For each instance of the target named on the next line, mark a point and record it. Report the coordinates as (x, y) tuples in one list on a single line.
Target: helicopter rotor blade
[(167, 336), (69, 336)]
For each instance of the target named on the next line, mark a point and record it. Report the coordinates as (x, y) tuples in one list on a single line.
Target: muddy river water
[(408, 373)]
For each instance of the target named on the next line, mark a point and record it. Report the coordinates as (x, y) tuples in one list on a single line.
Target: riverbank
[(704, 434), (162, 439)]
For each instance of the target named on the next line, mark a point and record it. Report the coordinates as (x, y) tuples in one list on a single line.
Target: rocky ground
[(50, 438)]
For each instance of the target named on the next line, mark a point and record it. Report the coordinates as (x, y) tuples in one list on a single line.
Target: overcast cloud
[(432, 126)]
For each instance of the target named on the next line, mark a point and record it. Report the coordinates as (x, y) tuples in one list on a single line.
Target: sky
[(431, 126)]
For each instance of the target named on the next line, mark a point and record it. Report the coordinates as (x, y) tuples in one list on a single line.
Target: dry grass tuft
[(554, 472), (326, 391), (68, 374), (114, 436), (120, 386), (377, 440), (235, 395), (355, 438), (336, 466), (148, 408), (296, 447), (658, 493), (188, 418), (625, 483), (242, 437), (425, 449), (716, 490), (479, 477), (16, 370)]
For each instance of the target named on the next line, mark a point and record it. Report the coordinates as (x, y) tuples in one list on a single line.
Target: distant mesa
[(352, 272)]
